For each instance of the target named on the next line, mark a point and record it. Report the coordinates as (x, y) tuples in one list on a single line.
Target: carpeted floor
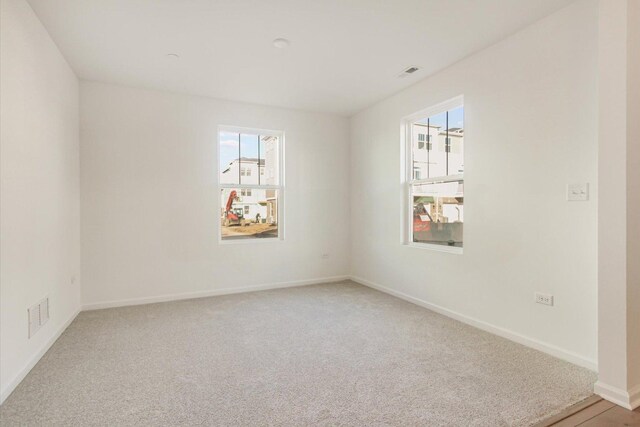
[(334, 354)]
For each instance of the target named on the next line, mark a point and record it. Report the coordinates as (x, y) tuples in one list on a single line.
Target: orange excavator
[(233, 216), (422, 220)]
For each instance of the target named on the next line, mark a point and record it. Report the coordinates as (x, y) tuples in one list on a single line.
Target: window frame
[(407, 175), (280, 187)]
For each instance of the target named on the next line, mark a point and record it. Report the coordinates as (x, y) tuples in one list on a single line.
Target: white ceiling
[(344, 54)]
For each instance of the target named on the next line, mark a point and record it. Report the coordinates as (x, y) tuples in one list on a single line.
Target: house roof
[(244, 160), (249, 160), (454, 130)]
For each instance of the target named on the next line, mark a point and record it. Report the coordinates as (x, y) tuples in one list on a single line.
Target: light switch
[(578, 192)]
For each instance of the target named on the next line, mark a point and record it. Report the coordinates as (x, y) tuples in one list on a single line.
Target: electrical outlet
[(44, 311), (545, 299), (38, 315), (325, 256), (34, 319)]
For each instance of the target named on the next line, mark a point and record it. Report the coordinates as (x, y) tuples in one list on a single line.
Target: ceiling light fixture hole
[(281, 43)]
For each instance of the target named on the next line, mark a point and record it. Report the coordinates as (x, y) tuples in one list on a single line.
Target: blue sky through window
[(229, 147), (456, 119)]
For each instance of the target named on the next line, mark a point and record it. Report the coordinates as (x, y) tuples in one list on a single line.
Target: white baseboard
[(210, 293), (505, 333), (627, 399), (35, 358), (162, 298)]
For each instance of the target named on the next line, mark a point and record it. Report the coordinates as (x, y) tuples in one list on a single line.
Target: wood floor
[(594, 412)]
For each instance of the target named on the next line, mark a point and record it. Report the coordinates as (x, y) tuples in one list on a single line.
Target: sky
[(456, 119), (249, 142), (229, 147)]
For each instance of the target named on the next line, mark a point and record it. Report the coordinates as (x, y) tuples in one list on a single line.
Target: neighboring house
[(253, 171), (271, 176), (432, 147), (437, 153), (245, 169)]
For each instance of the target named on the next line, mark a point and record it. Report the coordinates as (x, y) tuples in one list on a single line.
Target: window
[(424, 141), (250, 198), (435, 180)]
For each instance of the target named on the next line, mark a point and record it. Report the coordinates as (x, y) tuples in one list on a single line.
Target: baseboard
[(210, 293), (496, 330), (627, 399), (139, 301), (36, 358)]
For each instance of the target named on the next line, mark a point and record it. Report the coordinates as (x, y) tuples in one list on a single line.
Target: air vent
[(408, 71)]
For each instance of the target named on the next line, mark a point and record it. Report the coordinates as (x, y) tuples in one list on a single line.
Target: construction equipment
[(431, 226), (421, 218), (233, 216)]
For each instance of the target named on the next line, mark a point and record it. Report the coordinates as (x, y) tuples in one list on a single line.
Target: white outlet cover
[(44, 311), (578, 192), (546, 299), (34, 319)]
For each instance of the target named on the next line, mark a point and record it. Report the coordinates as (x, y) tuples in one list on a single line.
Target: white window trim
[(406, 177), (280, 187)]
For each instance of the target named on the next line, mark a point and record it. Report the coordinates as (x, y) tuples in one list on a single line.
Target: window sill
[(436, 248), (260, 240)]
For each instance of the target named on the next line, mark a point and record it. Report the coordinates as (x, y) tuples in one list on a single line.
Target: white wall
[(150, 203), (530, 128), (612, 271), (633, 197), (39, 205), (619, 232)]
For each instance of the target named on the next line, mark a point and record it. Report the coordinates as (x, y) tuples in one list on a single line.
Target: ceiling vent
[(408, 71)]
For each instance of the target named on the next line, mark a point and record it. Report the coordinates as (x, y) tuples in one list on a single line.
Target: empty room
[(333, 213)]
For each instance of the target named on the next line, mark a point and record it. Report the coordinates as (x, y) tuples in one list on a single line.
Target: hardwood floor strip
[(571, 410), (586, 414), (614, 417)]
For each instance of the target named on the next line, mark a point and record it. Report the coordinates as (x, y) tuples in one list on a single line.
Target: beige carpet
[(334, 354)]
